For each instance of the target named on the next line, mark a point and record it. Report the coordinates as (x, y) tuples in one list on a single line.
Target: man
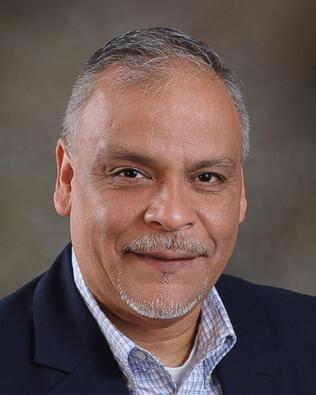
[(150, 173)]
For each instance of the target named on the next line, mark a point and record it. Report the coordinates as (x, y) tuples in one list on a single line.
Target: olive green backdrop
[(272, 47)]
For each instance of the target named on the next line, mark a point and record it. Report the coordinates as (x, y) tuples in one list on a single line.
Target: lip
[(167, 255), (166, 262)]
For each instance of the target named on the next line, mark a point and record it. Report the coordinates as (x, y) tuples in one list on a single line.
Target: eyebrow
[(225, 163), (114, 152)]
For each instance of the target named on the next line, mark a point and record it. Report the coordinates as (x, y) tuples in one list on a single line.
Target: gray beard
[(161, 306)]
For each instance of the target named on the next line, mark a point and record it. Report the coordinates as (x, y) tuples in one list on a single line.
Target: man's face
[(155, 193)]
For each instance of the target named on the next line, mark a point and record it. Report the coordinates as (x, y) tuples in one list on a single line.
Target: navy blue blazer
[(50, 343)]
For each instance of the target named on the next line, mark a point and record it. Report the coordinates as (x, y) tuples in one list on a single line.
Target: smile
[(166, 262)]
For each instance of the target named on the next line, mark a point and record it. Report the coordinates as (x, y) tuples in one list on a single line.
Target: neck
[(169, 340)]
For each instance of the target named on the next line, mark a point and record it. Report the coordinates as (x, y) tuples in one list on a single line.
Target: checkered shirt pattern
[(144, 373)]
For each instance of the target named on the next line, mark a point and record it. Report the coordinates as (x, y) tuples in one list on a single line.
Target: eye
[(129, 173), (209, 177)]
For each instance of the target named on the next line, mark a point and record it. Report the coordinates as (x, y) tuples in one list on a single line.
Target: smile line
[(166, 259)]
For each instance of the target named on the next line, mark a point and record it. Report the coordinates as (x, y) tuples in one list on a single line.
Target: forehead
[(188, 112)]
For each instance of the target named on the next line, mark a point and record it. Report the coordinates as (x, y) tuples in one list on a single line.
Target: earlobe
[(243, 199), (63, 186)]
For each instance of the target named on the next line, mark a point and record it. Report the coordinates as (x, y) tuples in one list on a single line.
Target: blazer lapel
[(236, 371), (253, 365), (68, 339), (96, 374), (247, 371)]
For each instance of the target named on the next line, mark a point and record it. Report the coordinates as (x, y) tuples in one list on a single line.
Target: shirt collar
[(120, 345), (216, 335)]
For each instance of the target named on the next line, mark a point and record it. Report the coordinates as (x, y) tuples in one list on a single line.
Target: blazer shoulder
[(264, 293), (19, 303), (19, 300), (16, 318), (289, 314), (238, 284), (21, 374)]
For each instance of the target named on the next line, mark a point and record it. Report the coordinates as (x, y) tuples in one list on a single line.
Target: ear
[(243, 199), (63, 187)]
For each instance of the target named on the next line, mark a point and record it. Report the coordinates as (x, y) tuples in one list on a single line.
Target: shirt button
[(141, 355), (130, 386)]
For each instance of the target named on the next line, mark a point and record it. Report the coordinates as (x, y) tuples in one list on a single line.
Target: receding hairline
[(157, 83), (140, 53), (118, 75)]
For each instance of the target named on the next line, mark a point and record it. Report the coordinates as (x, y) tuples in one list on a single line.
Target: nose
[(171, 208)]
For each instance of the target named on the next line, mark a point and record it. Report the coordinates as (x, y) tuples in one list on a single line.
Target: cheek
[(102, 216), (221, 220), (89, 215)]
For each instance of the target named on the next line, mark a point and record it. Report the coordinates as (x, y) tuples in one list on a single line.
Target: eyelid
[(118, 170), (220, 177)]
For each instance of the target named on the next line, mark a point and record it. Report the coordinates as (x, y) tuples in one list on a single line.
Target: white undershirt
[(178, 373)]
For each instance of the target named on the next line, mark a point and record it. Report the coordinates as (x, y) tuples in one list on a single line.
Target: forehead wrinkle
[(116, 152), (157, 130)]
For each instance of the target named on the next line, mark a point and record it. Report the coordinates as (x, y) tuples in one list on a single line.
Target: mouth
[(166, 261)]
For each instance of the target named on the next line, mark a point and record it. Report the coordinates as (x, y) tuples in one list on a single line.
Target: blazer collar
[(64, 330), (253, 364), (67, 337)]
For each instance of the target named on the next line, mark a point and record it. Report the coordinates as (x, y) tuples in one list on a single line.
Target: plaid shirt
[(144, 373)]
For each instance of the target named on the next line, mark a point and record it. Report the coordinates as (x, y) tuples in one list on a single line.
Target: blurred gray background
[(271, 45)]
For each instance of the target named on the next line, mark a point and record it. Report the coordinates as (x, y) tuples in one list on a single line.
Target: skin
[(174, 126)]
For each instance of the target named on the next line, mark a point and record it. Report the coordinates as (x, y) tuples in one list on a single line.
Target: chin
[(165, 303)]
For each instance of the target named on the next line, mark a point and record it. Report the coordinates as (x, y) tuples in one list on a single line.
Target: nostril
[(171, 217)]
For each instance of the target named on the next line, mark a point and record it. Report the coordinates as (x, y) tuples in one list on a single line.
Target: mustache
[(169, 241)]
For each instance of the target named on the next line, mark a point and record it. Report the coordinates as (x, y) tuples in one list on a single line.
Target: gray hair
[(137, 55)]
